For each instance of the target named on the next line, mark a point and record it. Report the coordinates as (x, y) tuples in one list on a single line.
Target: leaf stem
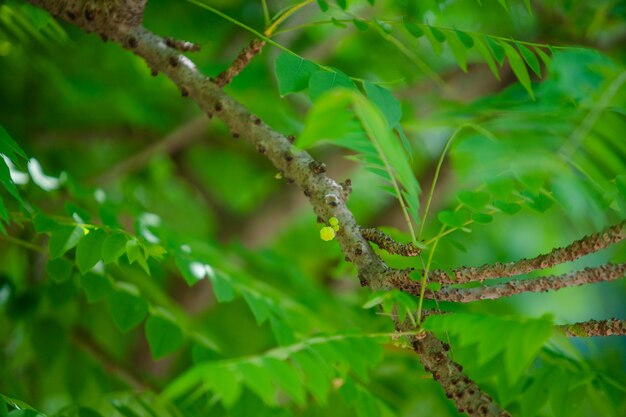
[(22, 243), (270, 29)]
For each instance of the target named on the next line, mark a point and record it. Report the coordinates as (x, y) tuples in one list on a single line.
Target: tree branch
[(325, 195), (517, 286), (610, 327), (387, 243), (242, 61), (577, 249)]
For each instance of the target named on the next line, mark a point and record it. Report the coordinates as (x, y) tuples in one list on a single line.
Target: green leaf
[(547, 61), (530, 58), (323, 5), (9, 185), (258, 305), (135, 254), (286, 377), (453, 218), (322, 81), (89, 250), (496, 49), (259, 379), (475, 200), (3, 408), (501, 187), (482, 218), (317, 377), (385, 101), (222, 287), (519, 68), (225, 383), (439, 36), (127, 310), (538, 202), (97, 287), (482, 49), (10, 148), (508, 208), (465, 39), (164, 336), (64, 238), (435, 38), (123, 409), (59, 270), (113, 247), (503, 4), (458, 50), (360, 24), (292, 73), (342, 3), (413, 29), (386, 27)]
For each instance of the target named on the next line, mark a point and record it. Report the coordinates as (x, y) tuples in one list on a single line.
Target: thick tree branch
[(577, 249), (610, 327), (326, 195), (516, 286), (387, 243)]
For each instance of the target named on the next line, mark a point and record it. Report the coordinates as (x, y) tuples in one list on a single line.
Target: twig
[(610, 327), (575, 250), (516, 286), (242, 61), (387, 243)]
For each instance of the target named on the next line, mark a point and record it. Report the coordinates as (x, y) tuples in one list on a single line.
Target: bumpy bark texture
[(242, 61), (387, 243), (577, 249), (610, 327), (516, 286)]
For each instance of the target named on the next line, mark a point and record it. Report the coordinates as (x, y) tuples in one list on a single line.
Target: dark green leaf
[(538, 202), (292, 73), (342, 3), (482, 218), (127, 310), (123, 409), (508, 208), (530, 58), (458, 50), (496, 49), (484, 51), (259, 379), (89, 250), (222, 287), (360, 24), (323, 5), (97, 287), (286, 377), (258, 305), (64, 238), (385, 101), (164, 336), (59, 270), (465, 39), (439, 36), (113, 247), (518, 67), (413, 29), (10, 148)]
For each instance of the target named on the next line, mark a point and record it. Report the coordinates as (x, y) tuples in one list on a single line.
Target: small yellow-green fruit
[(327, 233), (333, 221)]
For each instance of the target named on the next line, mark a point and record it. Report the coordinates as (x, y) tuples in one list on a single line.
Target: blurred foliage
[(152, 265)]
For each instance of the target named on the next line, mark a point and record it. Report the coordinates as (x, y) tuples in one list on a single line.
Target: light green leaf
[(496, 49), (292, 73), (222, 287), (224, 382), (127, 310), (475, 200), (64, 238), (113, 247), (435, 37), (286, 377), (89, 250), (259, 379), (135, 254), (164, 336), (453, 218), (508, 208), (322, 81), (547, 61), (258, 305), (317, 377), (458, 50), (59, 269), (482, 218), (519, 68)]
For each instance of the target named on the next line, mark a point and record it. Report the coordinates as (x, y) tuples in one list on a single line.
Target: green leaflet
[(59, 269), (164, 336), (484, 51), (64, 238), (322, 81), (89, 250), (127, 310), (385, 101), (518, 67), (97, 287), (293, 73), (113, 247), (530, 58), (458, 49)]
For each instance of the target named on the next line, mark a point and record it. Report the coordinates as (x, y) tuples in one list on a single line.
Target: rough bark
[(610, 327)]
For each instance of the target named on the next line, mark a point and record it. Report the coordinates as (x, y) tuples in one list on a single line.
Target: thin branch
[(610, 327), (585, 246), (513, 287), (128, 374), (242, 61), (388, 244), (325, 195)]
